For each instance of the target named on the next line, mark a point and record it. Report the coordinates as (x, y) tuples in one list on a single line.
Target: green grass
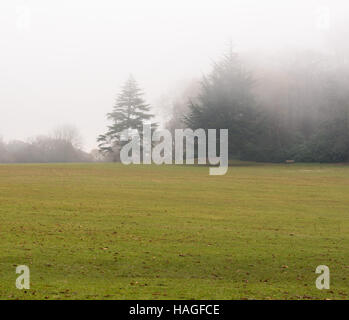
[(109, 231)]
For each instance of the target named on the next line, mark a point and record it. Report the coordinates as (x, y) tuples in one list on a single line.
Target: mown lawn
[(109, 231)]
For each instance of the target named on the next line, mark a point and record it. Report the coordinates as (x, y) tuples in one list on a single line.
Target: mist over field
[(174, 150), (64, 63)]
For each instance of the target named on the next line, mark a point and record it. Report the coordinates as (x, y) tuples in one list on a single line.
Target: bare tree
[(69, 134)]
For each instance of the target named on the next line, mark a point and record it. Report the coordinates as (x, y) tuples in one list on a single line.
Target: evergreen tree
[(226, 102), (129, 113)]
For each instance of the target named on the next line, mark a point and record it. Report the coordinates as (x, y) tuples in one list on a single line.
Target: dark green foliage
[(308, 123), (226, 102)]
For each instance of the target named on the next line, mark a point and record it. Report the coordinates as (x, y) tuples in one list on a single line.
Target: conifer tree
[(226, 101), (129, 113)]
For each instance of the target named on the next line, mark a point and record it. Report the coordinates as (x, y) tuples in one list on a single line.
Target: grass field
[(109, 231)]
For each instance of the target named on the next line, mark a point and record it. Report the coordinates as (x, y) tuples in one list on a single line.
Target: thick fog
[(63, 62)]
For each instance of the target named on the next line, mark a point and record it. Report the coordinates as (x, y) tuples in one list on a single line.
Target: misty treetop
[(226, 101)]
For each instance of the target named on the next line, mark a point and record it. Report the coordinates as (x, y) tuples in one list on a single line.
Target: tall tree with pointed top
[(226, 101), (129, 113)]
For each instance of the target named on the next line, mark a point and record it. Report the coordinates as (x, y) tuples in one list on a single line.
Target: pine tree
[(226, 101), (129, 113)]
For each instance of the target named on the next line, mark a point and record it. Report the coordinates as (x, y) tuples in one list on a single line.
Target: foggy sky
[(63, 62)]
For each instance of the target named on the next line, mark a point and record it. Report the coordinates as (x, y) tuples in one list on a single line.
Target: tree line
[(298, 110), (63, 145)]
